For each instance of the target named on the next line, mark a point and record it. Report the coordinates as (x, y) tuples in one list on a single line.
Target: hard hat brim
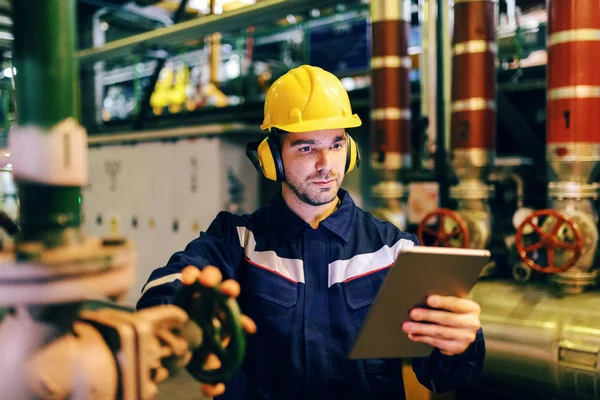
[(318, 125)]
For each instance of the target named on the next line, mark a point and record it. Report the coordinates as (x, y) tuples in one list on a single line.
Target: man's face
[(314, 164)]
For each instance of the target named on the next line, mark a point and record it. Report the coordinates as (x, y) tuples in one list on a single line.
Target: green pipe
[(47, 92), (47, 78), (50, 210)]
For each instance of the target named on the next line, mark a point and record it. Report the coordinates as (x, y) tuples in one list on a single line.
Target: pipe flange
[(574, 281), (96, 268), (472, 190), (573, 190), (390, 190)]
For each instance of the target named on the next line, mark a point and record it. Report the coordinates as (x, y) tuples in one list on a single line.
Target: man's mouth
[(323, 183)]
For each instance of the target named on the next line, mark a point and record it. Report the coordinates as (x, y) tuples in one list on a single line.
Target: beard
[(311, 194)]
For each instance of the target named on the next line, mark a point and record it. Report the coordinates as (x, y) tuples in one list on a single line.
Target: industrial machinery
[(472, 131), (565, 236), (543, 334), (541, 324), (390, 113), (61, 337)]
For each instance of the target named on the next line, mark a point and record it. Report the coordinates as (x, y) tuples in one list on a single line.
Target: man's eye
[(304, 149), (337, 146)]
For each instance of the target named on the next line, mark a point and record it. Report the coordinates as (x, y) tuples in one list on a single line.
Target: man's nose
[(323, 160)]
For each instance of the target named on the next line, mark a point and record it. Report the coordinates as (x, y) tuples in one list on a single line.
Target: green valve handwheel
[(218, 317)]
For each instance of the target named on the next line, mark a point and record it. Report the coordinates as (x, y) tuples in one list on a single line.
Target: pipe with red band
[(573, 98), (474, 50), (390, 67)]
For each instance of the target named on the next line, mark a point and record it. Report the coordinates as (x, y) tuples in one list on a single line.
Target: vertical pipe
[(441, 164), (99, 38), (573, 98), (473, 106), (390, 110), (47, 69), (573, 116), (215, 51), (390, 66), (215, 58), (47, 92), (427, 66), (474, 76)]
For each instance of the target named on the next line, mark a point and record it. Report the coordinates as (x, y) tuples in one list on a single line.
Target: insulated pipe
[(47, 93), (573, 98), (473, 106), (47, 88), (573, 140), (390, 66), (472, 125)]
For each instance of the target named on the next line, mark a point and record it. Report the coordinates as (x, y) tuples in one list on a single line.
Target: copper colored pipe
[(473, 75), (390, 66), (573, 98)]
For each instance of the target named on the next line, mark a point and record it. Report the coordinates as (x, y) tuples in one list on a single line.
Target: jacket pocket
[(360, 294), (271, 300)]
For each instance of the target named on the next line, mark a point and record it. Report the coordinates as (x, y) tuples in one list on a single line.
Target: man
[(310, 264)]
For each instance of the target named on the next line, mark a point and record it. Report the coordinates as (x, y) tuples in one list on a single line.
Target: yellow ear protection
[(268, 159)]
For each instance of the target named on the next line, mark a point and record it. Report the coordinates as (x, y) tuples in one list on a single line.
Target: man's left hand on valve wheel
[(451, 327)]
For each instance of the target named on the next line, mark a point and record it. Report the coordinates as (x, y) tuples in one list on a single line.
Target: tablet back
[(418, 272)]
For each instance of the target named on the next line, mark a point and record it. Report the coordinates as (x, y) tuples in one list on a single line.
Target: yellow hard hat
[(308, 98)]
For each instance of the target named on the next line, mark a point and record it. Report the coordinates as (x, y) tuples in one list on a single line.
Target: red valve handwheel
[(441, 238), (549, 241)]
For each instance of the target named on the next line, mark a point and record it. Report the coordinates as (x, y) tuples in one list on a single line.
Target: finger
[(438, 331), (445, 318), (190, 274), (213, 390), (161, 375), (171, 317), (211, 276), (225, 341), (447, 347), (248, 324), (230, 288), (454, 304), (175, 344), (212, 362)]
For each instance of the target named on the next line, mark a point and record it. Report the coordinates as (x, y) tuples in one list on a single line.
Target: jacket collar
[(289, 224)]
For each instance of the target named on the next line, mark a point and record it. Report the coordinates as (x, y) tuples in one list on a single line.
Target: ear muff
[(352, 155), (269, 157)]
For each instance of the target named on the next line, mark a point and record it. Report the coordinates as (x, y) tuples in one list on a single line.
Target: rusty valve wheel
[(549, 241), (441, 238)]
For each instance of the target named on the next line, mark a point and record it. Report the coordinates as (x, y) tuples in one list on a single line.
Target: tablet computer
[(417, 273)]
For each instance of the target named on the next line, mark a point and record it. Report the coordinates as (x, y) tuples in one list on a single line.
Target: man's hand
[(452, 327), (210, 277)]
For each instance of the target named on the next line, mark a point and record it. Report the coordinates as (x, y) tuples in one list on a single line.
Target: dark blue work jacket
[(309, 290)]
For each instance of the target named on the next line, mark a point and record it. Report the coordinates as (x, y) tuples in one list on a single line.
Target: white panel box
[(162, 194)]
